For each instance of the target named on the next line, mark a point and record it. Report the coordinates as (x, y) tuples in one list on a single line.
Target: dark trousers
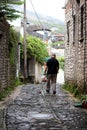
[(51, 81)]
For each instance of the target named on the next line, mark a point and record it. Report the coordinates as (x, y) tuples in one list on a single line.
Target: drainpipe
[(85, 50), (25, 44)]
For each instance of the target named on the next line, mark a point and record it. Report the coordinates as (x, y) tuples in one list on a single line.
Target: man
[(52, 70)]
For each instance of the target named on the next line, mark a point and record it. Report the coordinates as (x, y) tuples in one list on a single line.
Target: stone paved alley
[(33, 109)]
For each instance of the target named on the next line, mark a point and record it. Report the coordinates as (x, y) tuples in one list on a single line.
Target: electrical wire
[(36, 13)]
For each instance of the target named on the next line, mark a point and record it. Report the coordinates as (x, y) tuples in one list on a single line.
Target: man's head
[(53, 55)]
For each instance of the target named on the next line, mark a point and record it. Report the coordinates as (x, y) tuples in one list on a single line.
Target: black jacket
[(53, 66)]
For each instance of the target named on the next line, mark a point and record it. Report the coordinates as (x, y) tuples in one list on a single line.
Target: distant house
[(57, 37), (76, 44), (38, 31)]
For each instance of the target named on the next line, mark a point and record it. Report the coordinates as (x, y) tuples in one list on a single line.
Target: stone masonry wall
[(81, 47), (4, 60), (85, 44), (7, 71), (75, 44), (69, 47)]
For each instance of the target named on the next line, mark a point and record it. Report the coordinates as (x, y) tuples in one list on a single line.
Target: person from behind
[(52, 68)]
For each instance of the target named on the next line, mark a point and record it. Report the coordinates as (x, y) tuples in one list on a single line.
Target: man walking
[(52, 70)]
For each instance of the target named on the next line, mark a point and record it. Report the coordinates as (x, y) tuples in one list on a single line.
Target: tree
[(6, 7), (36, 48)]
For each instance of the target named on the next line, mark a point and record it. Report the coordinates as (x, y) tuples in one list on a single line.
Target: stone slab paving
[(33, 109), (4, 103), (1, 120)]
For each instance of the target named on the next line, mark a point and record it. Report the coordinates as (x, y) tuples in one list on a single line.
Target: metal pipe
[(25, 50), (85, 51)]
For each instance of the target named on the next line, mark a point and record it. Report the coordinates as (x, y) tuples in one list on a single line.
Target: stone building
[(76, 44)]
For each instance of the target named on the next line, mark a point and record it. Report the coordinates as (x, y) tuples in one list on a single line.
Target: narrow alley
[(34, 109), (24, 45)]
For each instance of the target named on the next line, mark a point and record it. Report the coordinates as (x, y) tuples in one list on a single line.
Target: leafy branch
[(8, 10), (35, 48)]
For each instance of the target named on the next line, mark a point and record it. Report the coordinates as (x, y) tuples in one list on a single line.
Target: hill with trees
[(47, 21)]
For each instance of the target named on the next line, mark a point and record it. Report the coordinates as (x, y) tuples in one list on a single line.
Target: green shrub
[(72, 89), (13, 41), (57, 44), (61, 62), (75, 91), (84, 97), (35, 48), (9, 89)]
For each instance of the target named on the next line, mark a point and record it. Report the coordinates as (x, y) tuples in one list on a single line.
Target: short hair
[(53, 55)]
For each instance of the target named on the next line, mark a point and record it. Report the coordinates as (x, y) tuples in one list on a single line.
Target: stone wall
[(4, 60), (75, 43), (85, 60), (7, 71), (34, 70)]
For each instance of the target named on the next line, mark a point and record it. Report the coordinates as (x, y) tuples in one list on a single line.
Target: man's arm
[(45, 71)]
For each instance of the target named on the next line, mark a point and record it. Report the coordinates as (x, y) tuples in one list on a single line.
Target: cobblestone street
[(33, 109)]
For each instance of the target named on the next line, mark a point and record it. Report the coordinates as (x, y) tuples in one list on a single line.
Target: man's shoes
[(54, 92), (47, 91)]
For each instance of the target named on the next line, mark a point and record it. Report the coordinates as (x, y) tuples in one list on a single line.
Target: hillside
[(46, 21)]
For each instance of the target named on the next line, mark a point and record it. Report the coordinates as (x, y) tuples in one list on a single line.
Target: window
[(82, 22), (74, 19), (68, 33), (78, 1)]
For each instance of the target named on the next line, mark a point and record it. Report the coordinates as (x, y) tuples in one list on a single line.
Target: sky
[(46, 7)]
